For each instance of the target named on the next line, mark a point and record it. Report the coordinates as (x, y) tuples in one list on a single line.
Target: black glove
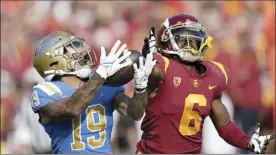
[(149, 43)]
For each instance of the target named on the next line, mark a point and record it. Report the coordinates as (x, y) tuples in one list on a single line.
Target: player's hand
[(141, 74), (258, 143), (149, 43), (110, 64)]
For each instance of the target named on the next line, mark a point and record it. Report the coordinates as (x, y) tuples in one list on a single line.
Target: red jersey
[(174, 117)]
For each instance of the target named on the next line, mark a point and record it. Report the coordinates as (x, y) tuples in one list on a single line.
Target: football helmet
[(184, 36), (61, 53)]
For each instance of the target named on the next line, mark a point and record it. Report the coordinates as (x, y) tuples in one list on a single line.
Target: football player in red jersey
[(189, 90)]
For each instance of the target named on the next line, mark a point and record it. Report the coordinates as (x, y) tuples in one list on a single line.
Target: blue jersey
[(90, 132)]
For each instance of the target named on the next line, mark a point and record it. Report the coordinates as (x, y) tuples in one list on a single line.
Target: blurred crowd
[(244, 41)]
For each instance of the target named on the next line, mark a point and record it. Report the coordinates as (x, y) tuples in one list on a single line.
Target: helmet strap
[(82, 73)]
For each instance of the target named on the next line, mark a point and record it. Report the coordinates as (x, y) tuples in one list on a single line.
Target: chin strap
[(81, 73)]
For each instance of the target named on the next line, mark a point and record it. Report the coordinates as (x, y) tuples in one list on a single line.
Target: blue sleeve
[(120, 88), (39, 99)]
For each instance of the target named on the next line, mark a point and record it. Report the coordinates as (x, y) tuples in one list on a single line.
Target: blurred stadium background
[(244, 33)]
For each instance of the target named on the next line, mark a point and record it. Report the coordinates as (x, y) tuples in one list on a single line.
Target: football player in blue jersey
[(73, 105)]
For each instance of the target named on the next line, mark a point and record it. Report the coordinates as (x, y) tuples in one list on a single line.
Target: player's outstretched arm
[(71, 107), (135, 106), (232, 134)]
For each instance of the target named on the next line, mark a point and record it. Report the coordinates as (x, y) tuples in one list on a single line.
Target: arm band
[(233, 135)]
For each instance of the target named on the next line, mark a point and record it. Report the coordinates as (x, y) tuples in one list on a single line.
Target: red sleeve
[(222, 76), (221, 90), (233, 135), (160, 62)]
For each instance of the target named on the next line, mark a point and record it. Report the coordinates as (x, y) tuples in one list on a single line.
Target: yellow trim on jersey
[(220, 66), (167, 62)]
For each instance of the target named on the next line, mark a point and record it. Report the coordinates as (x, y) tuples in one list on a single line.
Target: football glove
[(149, 43), (110, 64), (141, 74), (258, 143)]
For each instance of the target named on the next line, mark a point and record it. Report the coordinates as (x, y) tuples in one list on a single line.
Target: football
[(126, 74)]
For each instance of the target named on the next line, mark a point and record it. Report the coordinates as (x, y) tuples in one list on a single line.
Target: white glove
[(258, 143), (110, 64), (141, 74)]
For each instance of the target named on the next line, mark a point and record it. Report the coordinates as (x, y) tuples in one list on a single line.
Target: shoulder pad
[(49, 88), (221, 67), (162, 62)]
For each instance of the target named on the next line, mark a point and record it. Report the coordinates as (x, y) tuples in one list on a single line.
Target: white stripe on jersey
[(48, 87)]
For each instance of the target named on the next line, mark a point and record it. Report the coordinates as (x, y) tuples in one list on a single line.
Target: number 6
[(189, 114)]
